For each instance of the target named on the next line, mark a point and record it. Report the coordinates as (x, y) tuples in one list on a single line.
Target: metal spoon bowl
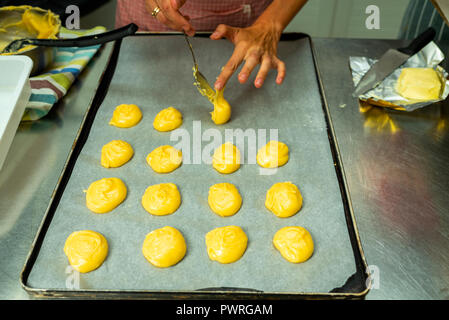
[(41, 56)]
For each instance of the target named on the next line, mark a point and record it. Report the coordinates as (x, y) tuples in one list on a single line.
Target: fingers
[(281, 72), (170, 16), (267, 64), (224, 31), (229, 69), (250, 51), (251, 62)]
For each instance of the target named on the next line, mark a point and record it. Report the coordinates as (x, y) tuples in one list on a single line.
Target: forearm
[(280, 12)]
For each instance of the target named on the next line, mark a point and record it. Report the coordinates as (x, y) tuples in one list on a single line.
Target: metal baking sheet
[(154, 73)]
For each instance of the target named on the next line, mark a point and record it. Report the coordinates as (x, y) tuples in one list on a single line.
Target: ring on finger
[(155, 11)]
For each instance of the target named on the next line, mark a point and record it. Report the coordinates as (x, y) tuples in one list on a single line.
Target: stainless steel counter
[(31, 171), (398, 177), (395, 164)]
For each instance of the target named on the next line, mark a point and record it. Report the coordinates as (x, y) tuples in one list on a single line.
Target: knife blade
[(390, 61)]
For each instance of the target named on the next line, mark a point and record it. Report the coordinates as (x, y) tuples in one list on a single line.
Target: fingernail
[(215, 34), (259, 82), (218, 85), (243, 76)]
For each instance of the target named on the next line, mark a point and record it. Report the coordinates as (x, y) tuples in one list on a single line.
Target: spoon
[(200, 80)]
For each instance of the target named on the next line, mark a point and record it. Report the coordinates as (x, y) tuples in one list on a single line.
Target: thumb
[(223, 30)]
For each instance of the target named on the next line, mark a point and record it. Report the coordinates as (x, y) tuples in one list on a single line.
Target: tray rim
[(214, 293)]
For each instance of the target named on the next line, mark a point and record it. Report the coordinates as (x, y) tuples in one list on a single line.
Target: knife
[(390, 61)]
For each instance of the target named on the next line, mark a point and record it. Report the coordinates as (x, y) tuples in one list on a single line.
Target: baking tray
[(299, 112)]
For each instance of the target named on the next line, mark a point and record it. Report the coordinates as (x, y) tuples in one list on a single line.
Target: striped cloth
[(50, 87)]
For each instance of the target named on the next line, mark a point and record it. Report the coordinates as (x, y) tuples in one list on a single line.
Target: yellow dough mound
[(105, 194), (164, 159), (420, 84), (226, 244), (283, 199), (116, 153), (86, 250), (164, 247), (161, 199), (294, 243), (126, 116), (167, 119), (274, 154), (226, 158), (224, 199), (222, 109)]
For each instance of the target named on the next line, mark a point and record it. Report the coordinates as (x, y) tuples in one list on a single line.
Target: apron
[(205, 15)]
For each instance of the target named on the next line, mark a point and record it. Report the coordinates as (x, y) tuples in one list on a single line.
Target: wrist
[(272, 25)]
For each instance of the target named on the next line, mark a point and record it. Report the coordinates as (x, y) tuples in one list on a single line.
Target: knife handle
[(87, 41), (419, 42)]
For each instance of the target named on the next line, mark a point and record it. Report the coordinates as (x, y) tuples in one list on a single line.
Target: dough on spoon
[(283, 199), (224, 199), (294, 243), (161, 199), (116, 153), (226, 244), (164, 247), (86, 250), (274, 154), (222, 109), (164, 159), (105, 194), (126, 116), (167, 119), (226, 158)]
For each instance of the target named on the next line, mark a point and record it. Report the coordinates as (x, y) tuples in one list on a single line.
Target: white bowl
[(15, 91)]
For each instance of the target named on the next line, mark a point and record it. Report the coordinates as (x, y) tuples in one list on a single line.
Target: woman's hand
[(170, 15), (255, 45)]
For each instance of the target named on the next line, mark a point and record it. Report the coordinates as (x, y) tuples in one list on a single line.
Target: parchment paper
[(154, 73)]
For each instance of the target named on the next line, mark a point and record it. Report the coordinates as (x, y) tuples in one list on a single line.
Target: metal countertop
[(31, 171), (395, 165), (398, 177)]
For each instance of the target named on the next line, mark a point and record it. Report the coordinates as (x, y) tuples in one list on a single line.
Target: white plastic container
[(14, 94)]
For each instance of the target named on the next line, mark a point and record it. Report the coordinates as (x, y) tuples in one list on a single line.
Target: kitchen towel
[(48, 88)]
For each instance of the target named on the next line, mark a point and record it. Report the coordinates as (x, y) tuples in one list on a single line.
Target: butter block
[(421, 84)]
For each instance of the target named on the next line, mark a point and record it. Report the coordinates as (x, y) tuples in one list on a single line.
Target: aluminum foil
[(385, 93)]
